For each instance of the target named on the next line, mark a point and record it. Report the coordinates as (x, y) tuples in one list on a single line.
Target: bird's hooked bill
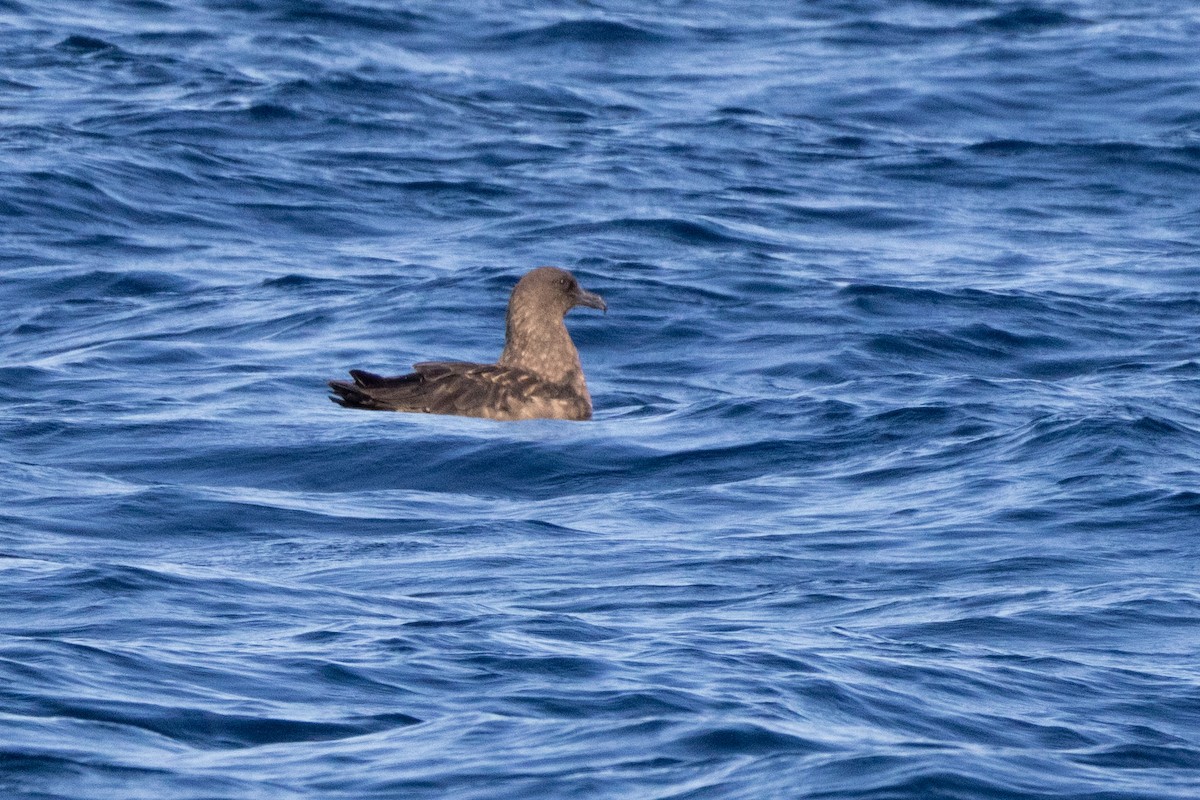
[(591, 300)]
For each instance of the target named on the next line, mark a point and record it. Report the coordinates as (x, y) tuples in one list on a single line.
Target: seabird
[(538, 374)]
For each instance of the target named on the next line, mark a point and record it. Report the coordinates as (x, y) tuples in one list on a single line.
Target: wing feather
[(461, 388)]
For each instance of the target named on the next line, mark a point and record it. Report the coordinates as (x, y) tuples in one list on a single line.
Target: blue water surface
[(893, 486)]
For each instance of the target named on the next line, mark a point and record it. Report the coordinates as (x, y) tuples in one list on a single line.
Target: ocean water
[(893, 486)]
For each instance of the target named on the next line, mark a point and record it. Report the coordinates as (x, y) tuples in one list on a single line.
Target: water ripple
[(891, 489)]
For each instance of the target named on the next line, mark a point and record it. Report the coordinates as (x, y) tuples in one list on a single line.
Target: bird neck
[(543, 347)]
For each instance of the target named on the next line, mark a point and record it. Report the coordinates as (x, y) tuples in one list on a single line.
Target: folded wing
[(465, 389)]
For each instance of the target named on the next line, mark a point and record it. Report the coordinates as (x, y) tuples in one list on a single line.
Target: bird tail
[(352, 395), (360, 394)]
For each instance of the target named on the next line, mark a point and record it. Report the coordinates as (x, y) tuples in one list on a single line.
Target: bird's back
[(492, 391)]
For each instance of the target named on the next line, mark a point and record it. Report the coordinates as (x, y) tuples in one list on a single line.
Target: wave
[(594, 32)]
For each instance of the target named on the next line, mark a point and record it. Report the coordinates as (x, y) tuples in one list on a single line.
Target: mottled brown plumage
[(538, 374)]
